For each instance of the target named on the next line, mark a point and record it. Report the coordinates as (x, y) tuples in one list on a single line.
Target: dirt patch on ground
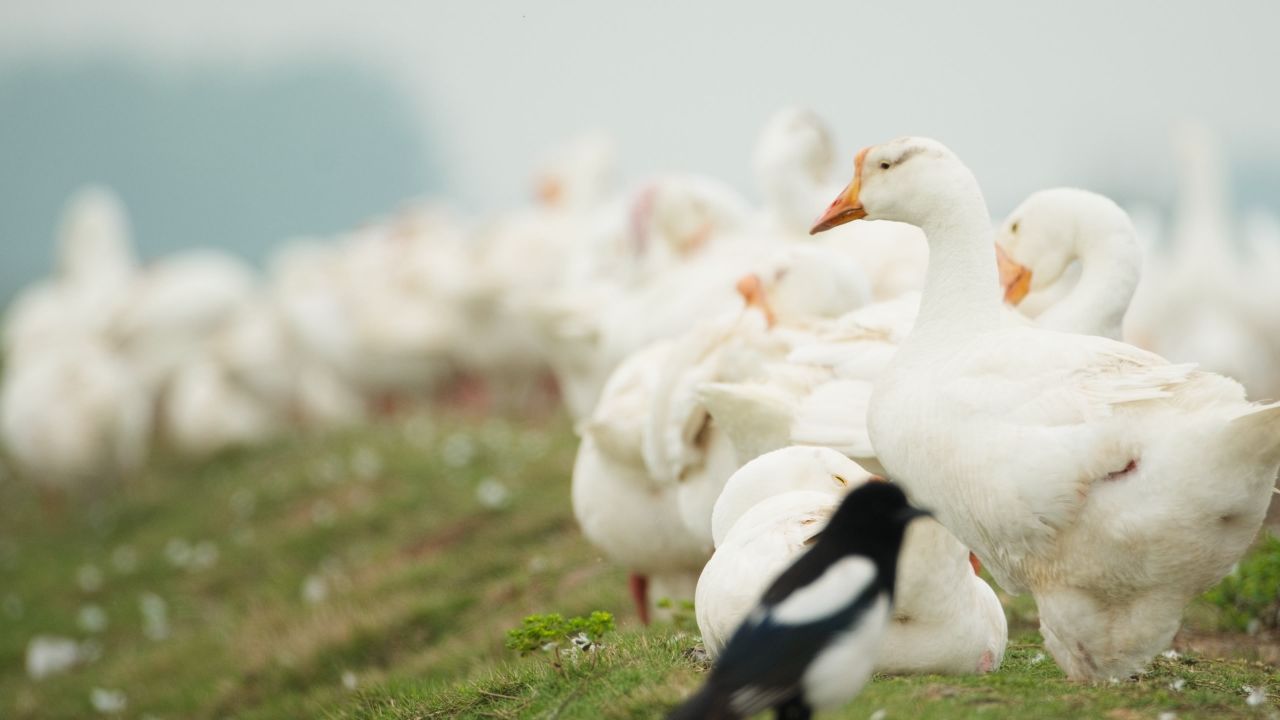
[(1263, 647)]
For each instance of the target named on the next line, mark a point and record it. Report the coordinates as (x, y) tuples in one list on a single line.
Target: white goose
[(682, 446), (632, 520), (75, 415), (946, 618), (95, 267), (1069, 255), (1075, 466), (1055, 231)]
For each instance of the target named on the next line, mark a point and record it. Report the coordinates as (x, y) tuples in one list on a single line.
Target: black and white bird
[(812, 640)]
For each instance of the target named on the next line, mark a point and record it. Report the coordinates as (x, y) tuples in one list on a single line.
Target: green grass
[(413, 583)]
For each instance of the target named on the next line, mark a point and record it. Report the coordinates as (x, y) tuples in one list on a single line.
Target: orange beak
[(549, 191), (1014, 278), (847, 207), (752, 292), (975, 563)]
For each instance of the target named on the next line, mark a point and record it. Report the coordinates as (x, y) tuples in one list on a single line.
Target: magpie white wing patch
[(753, 699), (836, 588)]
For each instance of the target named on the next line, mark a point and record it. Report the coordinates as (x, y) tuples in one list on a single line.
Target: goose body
[(946, 619), (1074, 466), (75, 415)]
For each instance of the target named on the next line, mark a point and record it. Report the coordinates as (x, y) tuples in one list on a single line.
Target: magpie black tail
[(703, 705)]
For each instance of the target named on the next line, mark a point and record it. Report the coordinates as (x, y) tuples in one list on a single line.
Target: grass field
[(374, 574)]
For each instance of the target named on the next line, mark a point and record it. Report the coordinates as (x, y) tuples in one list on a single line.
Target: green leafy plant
[(1252, 592), (553, 633)]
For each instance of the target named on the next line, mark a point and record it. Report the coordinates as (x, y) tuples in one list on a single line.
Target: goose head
[(578, 175), (793, 161), (1051, 230), (679, 214), (1052, 235), (94, 237), (805, 281), (911, 179)]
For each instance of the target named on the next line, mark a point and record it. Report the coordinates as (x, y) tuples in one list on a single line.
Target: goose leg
[(639, 585)]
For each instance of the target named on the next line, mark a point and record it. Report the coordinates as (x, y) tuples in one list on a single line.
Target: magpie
[(812, 640)]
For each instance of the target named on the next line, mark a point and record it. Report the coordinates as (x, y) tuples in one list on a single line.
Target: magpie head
[(872, 520)]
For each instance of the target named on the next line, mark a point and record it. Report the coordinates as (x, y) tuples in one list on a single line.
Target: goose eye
[(884, 165), (1014, 227)]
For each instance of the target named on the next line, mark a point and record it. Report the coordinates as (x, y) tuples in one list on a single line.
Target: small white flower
[(458, 450), (204, 555), (155, 616), (1177, 685), (492, 494), (315, 589), (1257, 696), (880, 714), (124, 559), (582, 642), (92, 618), (550, 647), (178, 552), (108, 702), (1167, 716), (49, 655), (348, 680), (1037, 658), (1170, 655), (89, 578), (366, 464)]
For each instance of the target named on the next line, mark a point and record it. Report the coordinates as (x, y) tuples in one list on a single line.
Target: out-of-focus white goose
[(1199, 307), (794, 158), (1262, 236), (947, 620), (682, 446), (205, 410), (74, 414), (95, 265), (1073, 465), (634, 521), (175, 304), (677, 257)]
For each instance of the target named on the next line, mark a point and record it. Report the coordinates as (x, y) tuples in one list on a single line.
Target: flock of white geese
[(732, 375)]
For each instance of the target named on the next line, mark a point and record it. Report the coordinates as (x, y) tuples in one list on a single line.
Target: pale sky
[(1029, 94)]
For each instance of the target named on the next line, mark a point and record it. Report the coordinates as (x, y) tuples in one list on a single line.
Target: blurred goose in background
[(946, 618), (95, 265), (632, 520), (801, 284), (73, 412), (75, 415), (681, 248), (1199, 306), (1073, 465), (174, 305), (794, 162)]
